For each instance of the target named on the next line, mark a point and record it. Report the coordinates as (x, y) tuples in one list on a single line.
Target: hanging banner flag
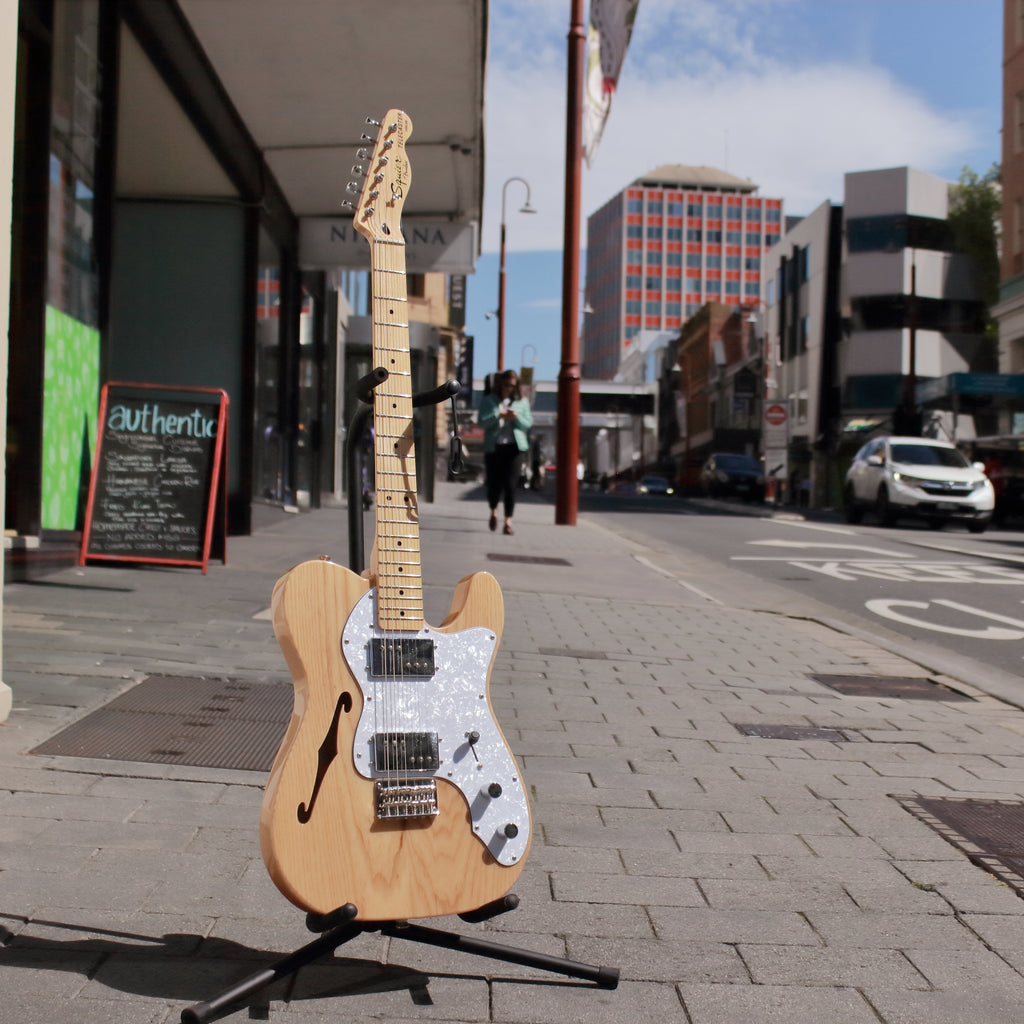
[(611, 25)]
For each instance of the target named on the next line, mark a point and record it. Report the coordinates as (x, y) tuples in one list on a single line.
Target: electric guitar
[(394, 789)]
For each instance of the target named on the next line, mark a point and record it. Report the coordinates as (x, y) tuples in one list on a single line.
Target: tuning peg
[(367, 138), (388, 143), (358, 169), (370, 120), (378, 178), (348, 204), (353, 187), (363, 154), (393, 127)]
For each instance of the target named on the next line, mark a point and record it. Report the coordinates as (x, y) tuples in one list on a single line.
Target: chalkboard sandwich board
[(158, 486)]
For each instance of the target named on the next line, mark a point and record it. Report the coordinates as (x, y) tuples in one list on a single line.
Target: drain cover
[(989, 832), (527, 559), (209, 723), (904, 687), (792, 732)]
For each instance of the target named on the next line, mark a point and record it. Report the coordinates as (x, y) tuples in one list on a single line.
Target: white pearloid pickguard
[(453, 704)]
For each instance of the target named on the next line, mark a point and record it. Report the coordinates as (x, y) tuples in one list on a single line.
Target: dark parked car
[(654, 485), (726, 473)]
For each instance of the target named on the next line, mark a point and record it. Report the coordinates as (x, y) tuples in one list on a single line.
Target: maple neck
[(399, 579)]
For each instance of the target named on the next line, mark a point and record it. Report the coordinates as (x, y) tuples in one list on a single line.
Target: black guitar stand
[(339, 926)]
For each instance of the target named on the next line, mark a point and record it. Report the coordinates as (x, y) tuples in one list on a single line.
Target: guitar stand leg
[(327, 943), (604, 977)]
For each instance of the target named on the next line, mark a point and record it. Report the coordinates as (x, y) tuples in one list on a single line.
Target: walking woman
[(505, 416)]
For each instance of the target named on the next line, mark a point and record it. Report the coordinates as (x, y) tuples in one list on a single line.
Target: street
[(948, 589)]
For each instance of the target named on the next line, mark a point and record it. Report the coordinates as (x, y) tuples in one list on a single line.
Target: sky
[(791, 94)]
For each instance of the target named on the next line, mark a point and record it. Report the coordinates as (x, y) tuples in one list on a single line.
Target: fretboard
[(399, 579)]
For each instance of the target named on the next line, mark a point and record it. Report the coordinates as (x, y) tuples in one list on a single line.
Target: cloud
[(704, 83)]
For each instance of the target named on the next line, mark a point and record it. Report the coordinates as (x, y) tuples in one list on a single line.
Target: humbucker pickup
[(405, 751), (398, 657)]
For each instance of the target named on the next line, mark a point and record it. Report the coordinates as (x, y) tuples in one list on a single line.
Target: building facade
[(660, 249), (867, 306), (911, 307), (1009, 312), (177, 222), (709, 391), (800, 328)]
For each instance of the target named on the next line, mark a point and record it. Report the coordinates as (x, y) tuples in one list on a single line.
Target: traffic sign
[(775, 415)]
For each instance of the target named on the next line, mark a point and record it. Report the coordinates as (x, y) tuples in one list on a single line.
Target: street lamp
[(525, 208)]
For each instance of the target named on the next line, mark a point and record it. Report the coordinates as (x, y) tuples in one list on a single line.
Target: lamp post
[(525, 208), (773, 431)]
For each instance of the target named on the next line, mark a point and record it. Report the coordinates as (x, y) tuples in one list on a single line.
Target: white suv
[(918, 476)]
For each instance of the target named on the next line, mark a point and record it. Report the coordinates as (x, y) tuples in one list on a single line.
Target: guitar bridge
[(411, 798)]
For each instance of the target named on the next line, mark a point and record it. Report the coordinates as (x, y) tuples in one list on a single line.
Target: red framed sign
[(158, 491)]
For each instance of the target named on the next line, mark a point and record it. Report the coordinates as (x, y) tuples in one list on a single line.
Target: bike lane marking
[(886, 608)]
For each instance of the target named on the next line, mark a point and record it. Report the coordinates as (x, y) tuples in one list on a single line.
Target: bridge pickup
[(400, 657), (411, 798), (405, 751)]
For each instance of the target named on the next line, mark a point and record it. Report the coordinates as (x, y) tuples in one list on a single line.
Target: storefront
[(161, 181)]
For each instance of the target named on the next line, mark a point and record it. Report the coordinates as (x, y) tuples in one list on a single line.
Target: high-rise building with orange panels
[(662, 247)]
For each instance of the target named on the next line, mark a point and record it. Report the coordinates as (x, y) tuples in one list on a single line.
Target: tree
[(974, 211)]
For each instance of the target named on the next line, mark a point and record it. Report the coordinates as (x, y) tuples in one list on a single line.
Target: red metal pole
[(568, 447)]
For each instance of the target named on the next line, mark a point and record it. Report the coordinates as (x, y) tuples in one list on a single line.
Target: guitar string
[(396, 695)]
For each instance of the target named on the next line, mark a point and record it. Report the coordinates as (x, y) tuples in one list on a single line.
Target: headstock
[(378, 210)]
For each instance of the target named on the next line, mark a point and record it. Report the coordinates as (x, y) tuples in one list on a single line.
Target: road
[(957, 596)]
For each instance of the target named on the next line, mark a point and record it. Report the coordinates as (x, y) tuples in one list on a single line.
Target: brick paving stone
[(831, 968), (979, 1004), (732, 878), (774, 1004)]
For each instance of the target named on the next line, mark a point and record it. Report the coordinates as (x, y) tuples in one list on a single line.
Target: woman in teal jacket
[(505, 416)]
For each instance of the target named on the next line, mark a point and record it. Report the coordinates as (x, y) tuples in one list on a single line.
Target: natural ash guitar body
[(323, 839), (394, 789)]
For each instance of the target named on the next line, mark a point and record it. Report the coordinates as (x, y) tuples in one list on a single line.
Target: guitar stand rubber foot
[(501, 905), (325, 922)]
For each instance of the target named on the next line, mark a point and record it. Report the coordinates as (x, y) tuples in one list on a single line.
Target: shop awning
[(303, 75)]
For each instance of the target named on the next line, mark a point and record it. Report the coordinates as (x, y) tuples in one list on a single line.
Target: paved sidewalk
[(734, 878)]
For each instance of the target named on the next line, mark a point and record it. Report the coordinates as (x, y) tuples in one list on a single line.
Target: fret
[(399, 587)]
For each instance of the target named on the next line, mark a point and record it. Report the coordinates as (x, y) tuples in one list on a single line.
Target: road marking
[(816, 526), (672, 576), (885, 608), (888, 552), (999, 556)]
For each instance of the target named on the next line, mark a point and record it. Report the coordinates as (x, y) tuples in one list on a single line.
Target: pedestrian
[(505, 416)]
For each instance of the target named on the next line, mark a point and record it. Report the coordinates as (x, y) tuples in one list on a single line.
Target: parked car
[(920, 477), (654, 485), (1003, 458), (728, 473)]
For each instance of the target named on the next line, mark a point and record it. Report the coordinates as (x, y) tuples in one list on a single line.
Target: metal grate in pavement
[(209, 723), (989, 832), (792, 732), (903, 687)]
